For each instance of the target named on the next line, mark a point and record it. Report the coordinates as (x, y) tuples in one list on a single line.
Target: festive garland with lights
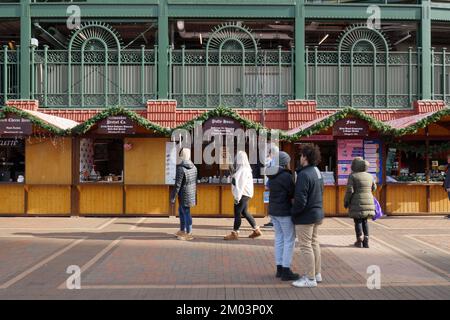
[(34, 120), (115, 111)]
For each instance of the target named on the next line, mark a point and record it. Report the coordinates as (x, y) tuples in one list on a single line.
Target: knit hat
[(283, 159)]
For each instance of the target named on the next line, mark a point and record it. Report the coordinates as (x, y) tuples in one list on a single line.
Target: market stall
[(342, 136), (120, 165), (214, 197), (35, 163), (416, 164)]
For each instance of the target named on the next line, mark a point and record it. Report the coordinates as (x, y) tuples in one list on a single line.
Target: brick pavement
[(136, 258)]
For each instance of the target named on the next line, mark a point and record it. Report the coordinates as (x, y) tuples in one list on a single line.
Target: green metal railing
[(235, 78), (362, 79), (93, 78), (9, 74), (440, 67)]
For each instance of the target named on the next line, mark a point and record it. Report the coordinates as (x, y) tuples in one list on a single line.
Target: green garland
[(328, 122), (423, 123), (114, 111), (230, 113), (34, 120)]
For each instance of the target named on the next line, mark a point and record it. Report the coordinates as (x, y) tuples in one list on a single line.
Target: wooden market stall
[(214, 197), (341, 136), (417, 161), (120, 164), (35, 163)]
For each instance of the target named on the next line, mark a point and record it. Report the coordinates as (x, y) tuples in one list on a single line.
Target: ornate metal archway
[(93, 47), (359, 47), (231, 44)]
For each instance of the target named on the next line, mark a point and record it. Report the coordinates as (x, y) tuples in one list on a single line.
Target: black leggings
[(241, 209), (361, 226)]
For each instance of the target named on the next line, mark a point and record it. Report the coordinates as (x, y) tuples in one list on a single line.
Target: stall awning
[(325, 122), (418, 121), (307, 125), (61, 123), (53, 124)]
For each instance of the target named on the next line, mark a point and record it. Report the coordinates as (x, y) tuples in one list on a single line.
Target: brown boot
[(359, 242), (255, 234), (232, 236), (180, 233)]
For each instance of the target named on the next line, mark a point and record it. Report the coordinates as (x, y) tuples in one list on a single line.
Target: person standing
[(359, 200), (186, 189), (307, 214), (281, 187), (271, 161), (242, 189)]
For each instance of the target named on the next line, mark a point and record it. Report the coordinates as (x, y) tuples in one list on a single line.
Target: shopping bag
[(378, 211)]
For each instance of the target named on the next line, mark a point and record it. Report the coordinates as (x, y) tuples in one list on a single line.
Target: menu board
[(14, 125), (116, 125), (328, 178), (171, 162), (348, 149), (372, 153)]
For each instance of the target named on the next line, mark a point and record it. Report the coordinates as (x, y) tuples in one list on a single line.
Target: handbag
[(378, 211)]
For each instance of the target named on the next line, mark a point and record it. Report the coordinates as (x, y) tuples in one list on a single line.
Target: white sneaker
[(304, 282), (318, 278)]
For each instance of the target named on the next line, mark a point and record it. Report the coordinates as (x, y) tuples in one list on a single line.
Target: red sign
[(116, 125), (221, 125), (14, 125), (350, 127)]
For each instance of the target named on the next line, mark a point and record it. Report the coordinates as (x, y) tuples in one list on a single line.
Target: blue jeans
[(185, 219), (284, 240)]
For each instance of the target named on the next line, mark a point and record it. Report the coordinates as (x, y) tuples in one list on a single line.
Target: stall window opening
[(12, 160), (101, 160)]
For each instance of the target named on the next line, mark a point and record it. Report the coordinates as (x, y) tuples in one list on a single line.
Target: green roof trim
[(222, 112), (341, 114), (34, 120), (115, 111), (432, 118)]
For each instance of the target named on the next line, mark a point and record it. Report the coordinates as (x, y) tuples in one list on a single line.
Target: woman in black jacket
[(186, 189), (281, 188)]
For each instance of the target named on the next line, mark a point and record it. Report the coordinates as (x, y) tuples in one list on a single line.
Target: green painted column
[(425, 44), (163, 45), (300, 79), (25, 37)]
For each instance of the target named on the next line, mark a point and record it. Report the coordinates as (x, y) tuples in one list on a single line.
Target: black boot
[(288, 275), (366, 242), (279, 271), (359, 242)]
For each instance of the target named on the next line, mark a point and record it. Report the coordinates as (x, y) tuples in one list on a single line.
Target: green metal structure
[(231, 69)]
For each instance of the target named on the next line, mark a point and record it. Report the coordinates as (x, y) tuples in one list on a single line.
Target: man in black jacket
[(307, 214)]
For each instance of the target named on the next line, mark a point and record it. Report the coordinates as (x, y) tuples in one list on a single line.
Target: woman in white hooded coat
[(242, 189)]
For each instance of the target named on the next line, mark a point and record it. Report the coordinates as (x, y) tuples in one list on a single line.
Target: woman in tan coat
[(359, 199)]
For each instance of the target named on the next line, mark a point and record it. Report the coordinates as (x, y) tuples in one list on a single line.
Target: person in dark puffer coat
[(186, 189), (359, 199)]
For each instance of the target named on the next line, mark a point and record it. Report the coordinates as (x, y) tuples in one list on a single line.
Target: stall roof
[(54, 124), (323, 123), (413, 123), (222, 112), (117, 111)]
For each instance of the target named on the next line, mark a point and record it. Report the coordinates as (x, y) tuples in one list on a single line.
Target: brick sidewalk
[(139, 258)]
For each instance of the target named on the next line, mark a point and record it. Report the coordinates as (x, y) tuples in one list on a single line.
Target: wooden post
[(427, 174), (74, 192), (383, 194)]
